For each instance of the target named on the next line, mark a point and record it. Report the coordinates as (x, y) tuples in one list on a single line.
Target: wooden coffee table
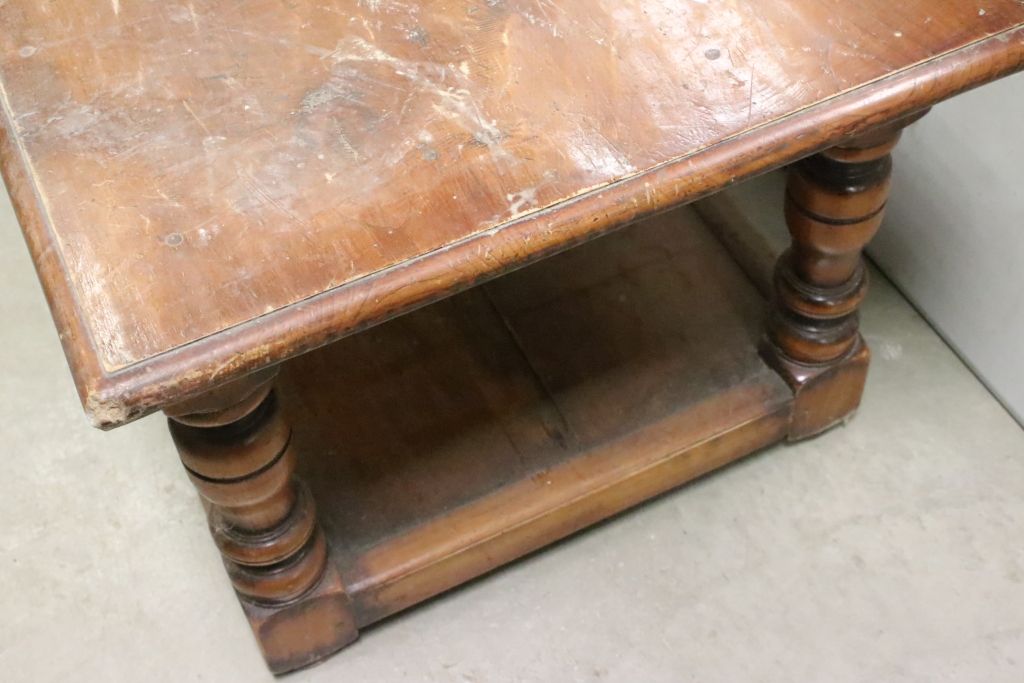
[(212, 191)]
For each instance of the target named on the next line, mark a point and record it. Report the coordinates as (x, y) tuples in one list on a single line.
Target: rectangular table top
[(211, 186)]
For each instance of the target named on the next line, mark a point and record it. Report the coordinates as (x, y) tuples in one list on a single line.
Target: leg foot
[(303, 632), (826, 395)]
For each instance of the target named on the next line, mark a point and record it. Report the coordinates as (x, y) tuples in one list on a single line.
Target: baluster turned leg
[(237, 450), (834, 205)]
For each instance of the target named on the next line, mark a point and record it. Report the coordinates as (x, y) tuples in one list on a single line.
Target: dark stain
[(713, 53), (430, 154)]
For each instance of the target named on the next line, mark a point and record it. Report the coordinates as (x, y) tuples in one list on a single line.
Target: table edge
[(111, 399)]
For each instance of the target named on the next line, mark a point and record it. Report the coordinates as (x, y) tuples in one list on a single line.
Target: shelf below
[(468, 433)]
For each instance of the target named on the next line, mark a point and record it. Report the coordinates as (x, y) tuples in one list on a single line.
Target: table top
[(210, 187)]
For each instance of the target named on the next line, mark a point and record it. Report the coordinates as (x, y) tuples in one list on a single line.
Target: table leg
[(236, 447), (834, 206)]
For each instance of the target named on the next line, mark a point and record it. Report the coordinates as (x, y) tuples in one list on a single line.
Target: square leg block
[(824, 396), (304, 632)]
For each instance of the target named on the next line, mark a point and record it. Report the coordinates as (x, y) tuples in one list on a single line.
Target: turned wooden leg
[(834, 206), (237, 450)]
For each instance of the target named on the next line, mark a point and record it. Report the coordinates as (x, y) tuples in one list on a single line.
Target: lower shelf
[(459, 437)]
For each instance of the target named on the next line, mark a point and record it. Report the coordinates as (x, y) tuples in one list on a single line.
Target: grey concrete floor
[(891, 549)]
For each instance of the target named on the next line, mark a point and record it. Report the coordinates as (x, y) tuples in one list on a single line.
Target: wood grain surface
[(211, 187)]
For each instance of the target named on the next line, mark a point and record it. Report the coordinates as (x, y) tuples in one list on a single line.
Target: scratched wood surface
[(183, 171)]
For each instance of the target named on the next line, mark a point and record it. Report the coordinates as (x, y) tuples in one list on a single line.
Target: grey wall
[(953, 238)]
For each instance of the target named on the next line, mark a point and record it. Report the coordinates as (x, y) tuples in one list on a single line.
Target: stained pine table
[(213, 191)]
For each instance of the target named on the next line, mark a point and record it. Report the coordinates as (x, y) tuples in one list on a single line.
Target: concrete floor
[(888, 550)]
